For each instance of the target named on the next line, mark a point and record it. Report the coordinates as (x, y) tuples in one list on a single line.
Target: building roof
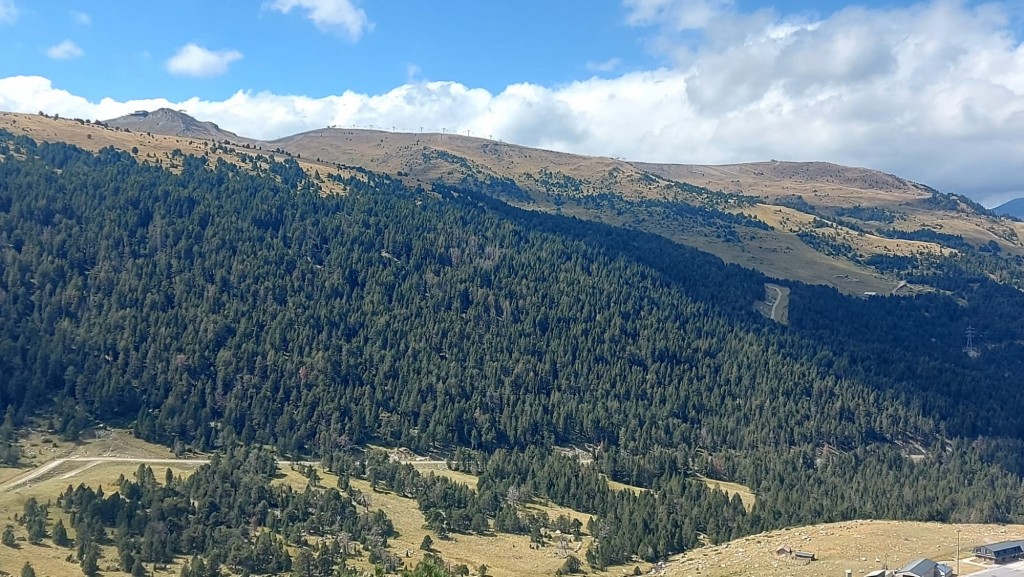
[(918, 567), (1001, 549)]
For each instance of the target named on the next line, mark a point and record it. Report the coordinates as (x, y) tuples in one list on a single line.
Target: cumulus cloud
[(194, 60), (66, 50), (340, 15), (934, 93), (8, 11)]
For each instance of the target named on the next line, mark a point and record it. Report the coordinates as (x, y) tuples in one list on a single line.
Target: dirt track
[(42, 470), (89, 462)]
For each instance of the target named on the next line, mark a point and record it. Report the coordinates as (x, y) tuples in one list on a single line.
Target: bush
[(571, 566)]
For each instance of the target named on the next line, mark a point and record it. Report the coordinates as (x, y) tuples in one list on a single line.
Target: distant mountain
[(173, 123), (1014, 208)]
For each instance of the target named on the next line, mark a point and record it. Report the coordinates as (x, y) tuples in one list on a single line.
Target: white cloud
[(66, 50), (606, 66), (81, 17), (329, 14), (934, 93), (194, 60), (8, 11)]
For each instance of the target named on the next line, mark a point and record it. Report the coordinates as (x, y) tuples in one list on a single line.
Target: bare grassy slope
[(152, 147), (862, 546), (450, 157), (829, 183)]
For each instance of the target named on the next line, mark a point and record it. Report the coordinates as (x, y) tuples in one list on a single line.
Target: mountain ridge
[(814, 222)]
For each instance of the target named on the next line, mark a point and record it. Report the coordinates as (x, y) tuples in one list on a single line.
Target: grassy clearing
[(775, 305), (617, 486), (504, 555), (46, 558), (746, 495), (444, 471), (862, 546), (39, 448)]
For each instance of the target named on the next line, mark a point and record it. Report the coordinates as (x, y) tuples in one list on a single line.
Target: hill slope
[(862, 546), (869, 213), (870, 216), (1014, 208)]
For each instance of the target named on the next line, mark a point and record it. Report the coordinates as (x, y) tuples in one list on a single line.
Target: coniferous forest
[(217, 307)]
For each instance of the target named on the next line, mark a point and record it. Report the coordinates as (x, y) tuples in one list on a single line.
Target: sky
[(931, 91)]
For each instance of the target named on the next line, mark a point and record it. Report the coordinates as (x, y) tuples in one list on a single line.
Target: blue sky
[(933, 91), (481, 44)]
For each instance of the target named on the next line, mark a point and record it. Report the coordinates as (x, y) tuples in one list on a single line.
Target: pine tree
[(8, 538), (7, 427), (90, 560), (60, 534), (27, 570)]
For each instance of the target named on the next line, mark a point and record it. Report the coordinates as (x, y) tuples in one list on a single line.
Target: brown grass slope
[(151, 147), (861, 546), (449, 157), (505, 555), (831, 184)]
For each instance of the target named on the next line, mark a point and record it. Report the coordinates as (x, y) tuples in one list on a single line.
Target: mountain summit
[(172, 123)]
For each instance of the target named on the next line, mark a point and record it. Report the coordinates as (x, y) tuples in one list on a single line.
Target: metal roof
[(1001, 549), (918, 567)]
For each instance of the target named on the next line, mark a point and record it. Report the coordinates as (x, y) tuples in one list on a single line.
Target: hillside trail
[(89, 462)]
